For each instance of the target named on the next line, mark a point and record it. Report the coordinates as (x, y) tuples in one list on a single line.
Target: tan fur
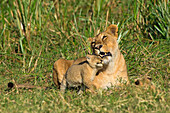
[(60, 67), (114, 72), (82, 74)]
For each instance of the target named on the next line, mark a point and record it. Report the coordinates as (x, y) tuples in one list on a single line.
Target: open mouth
[(104, 54)]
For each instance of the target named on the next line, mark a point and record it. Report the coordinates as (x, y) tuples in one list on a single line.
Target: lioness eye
[(104, 37), (93, 43)]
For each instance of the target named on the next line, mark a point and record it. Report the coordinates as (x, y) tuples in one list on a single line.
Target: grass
[(34, 34)]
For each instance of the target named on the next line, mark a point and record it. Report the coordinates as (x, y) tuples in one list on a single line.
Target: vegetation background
[(35, 33)]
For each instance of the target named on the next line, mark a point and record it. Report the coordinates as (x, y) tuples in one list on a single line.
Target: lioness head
[(105, 44)]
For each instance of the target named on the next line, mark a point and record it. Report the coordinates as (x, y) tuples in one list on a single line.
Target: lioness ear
[(113, 29), (90, 39)]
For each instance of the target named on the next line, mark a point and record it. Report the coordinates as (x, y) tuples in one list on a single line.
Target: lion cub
[(82, 74)]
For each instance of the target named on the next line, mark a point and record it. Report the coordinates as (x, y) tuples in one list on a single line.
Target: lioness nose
[(102, 53)]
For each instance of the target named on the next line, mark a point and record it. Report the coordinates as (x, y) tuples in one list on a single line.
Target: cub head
[(95, 61), (105, 43)]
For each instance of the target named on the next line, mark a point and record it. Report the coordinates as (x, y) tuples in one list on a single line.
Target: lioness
[(82, 74), (105, 45)]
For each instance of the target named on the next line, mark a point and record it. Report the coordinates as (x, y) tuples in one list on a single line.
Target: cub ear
[(113, 29), (88, 57)]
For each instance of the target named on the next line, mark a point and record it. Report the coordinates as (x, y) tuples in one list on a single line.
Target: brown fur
[(60, 67), (82, 74), (114, 72)]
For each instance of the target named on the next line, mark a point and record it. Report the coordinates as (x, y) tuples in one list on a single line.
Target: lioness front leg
[(63, 85)]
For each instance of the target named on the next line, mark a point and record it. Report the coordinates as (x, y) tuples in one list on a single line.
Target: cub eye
[(104, 37)]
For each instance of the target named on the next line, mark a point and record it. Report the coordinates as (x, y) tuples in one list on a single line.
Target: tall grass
[(152, 18), (20, 17), (35, 33)]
